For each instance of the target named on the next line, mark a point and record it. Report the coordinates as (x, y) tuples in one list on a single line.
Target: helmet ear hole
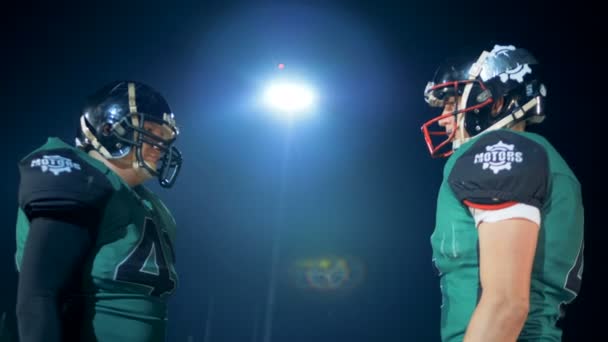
[(483, 96), (106, 130)]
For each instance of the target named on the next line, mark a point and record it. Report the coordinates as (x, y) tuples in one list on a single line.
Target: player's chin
[(144, 170), (153, 167), (151, 162)]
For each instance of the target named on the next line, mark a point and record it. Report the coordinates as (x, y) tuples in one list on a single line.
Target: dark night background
[(355, 179)]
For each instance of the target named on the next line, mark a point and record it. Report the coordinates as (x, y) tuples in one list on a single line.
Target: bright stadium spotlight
[(290, 99)]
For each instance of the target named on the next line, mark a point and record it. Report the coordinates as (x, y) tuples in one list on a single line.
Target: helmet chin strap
[(138, 161), (516, 116), (506, 122), (139, 169)]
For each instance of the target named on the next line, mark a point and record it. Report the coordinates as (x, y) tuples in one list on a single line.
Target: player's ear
[(498, 104)]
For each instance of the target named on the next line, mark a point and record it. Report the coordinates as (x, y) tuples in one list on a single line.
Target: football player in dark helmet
[(128, 122), (508, 237), (94, 245)]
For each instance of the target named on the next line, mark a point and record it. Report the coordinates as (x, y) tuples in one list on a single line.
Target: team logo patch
[(498, 157), (516, 73), (55, 164)]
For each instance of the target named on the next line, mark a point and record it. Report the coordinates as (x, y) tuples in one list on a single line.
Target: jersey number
[(146, 264)]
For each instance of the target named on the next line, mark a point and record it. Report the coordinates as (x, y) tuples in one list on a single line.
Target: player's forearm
[(496, 320), (38, 319), (54, 252)]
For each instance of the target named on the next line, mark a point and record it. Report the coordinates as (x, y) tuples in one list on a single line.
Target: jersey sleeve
[(519, 210), (53, 255), (501, 169), (60, 184)]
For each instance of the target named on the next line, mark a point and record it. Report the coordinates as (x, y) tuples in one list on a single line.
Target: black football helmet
[(504, 72), (112, 123)]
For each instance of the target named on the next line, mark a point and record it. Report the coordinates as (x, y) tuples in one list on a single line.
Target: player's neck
[(520, 126)]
